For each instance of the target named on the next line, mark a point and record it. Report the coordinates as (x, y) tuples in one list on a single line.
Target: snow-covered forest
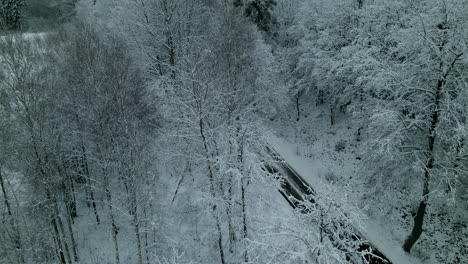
[(233, 131)]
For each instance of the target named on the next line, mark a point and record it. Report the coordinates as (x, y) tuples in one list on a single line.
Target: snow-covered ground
[(329, 158), (27, 36), (311, 169)]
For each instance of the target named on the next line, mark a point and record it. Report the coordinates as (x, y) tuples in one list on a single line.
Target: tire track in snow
[(295, 190)]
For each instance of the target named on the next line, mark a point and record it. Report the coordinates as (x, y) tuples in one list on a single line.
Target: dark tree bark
[(72, 237), (419, 219), (62, 232), (298, 105), (58, 239), (14, 226), (332, 115), (86, 172), (212, 190), (114, 228), (146, 236), (244, 218)]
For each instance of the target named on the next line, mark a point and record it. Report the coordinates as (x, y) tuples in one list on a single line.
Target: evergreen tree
[(260, 11), (11, 11)]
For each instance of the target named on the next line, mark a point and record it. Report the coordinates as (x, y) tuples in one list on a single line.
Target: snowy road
[(295, 190)]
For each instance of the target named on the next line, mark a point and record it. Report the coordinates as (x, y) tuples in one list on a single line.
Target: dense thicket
[(35, 15), (397, 68), (79, 117), (11, 14)]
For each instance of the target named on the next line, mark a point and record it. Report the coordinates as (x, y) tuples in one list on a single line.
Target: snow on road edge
[(374, 232)]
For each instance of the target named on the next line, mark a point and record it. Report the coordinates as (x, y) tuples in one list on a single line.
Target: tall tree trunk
[(332, 115), (245, 181), (419, 219), (298, 105), (63, 236), (172, 56), (69, 191), (136, 225), (53, 221), (67, 181), (170, 39), (93, 203), (58, 245), (114, 229), (244, 219), (89, 188), (146, 236), (71, 199), (229, 209), (230, 198), (212, 190), (88, 183), (72, 237), (13, 223), (136, 220), (462, 179)]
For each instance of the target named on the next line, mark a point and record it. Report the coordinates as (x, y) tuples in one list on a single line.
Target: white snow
[(310, 169)]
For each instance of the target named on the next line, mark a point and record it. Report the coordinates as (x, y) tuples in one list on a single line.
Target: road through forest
[(295, 190)]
